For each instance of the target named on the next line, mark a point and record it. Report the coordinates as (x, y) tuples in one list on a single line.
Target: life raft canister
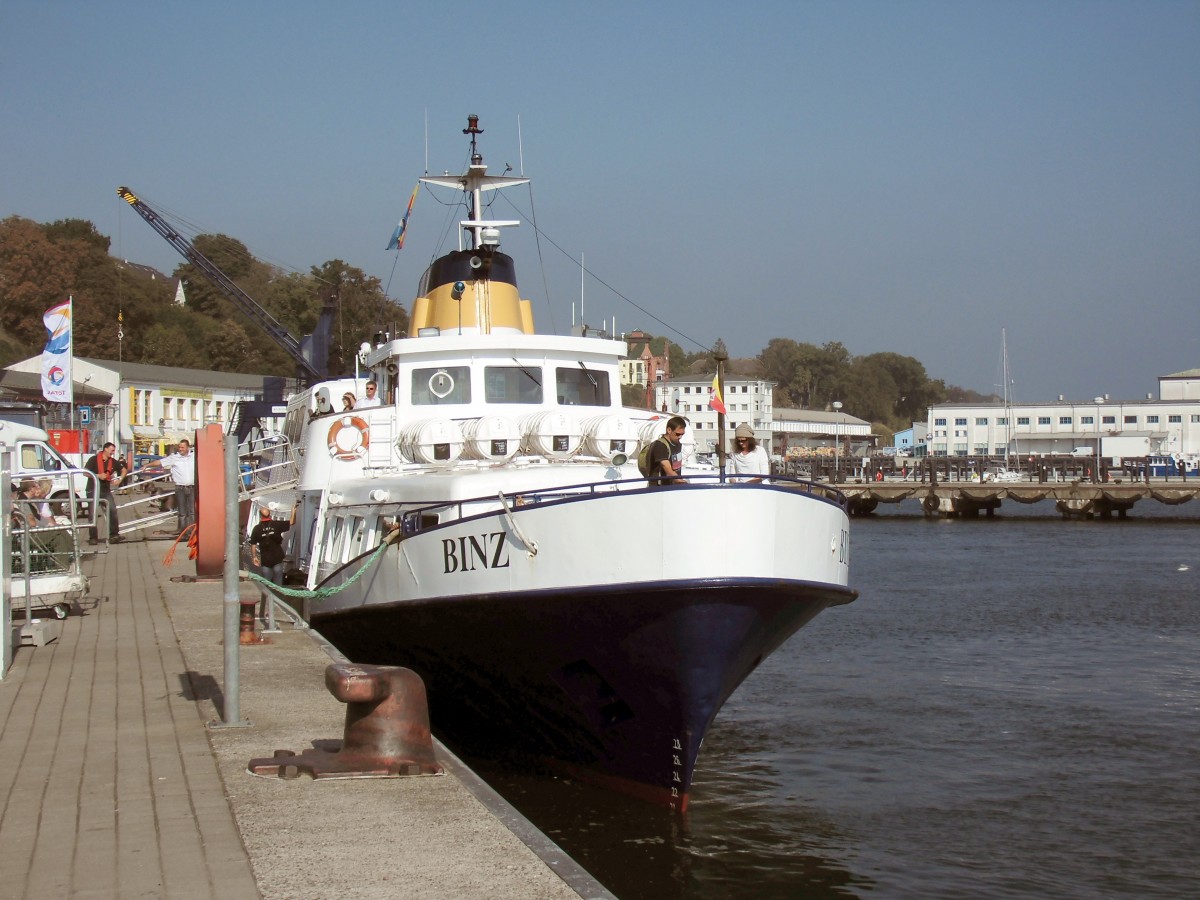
[(349, 438)]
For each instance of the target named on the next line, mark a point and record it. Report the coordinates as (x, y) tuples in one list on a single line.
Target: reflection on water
[(737, 833), (1011, 708)]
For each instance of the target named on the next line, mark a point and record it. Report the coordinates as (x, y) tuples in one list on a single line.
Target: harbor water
[(1010, 709)]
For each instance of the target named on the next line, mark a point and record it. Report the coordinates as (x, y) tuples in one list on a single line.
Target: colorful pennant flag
[(714, 397), (397, 241), (56, 357)]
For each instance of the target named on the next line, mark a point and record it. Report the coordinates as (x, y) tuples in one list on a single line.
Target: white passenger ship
[(555, 604)]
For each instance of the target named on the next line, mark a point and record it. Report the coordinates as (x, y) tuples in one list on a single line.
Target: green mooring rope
[(319, 594)]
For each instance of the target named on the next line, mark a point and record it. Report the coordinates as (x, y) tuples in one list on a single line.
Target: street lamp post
[(837, 442), (1096, 471)]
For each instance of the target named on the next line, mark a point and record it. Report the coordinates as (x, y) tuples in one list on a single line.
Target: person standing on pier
[(266, 552), (109, 475), (182, 466)]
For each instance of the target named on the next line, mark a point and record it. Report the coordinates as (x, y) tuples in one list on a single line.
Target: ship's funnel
[(487, 303)]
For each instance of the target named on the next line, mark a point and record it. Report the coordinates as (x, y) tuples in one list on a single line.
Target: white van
[(34, 457), (1084, 451)]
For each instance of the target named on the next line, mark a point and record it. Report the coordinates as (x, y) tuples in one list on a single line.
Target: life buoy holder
[(349, 438)]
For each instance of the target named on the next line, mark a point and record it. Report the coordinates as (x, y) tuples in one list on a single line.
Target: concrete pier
[(113, 785)]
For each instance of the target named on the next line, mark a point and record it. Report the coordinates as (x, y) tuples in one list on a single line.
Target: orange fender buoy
[(210, 502)]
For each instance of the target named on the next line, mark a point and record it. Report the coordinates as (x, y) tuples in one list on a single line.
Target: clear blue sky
[(897, 176)]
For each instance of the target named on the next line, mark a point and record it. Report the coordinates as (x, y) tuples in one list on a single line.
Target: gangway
[(267, 464)]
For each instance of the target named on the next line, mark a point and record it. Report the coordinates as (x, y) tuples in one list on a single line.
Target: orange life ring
[(349, 438)]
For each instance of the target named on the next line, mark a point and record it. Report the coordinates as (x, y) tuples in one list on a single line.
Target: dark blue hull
[(616, 686)]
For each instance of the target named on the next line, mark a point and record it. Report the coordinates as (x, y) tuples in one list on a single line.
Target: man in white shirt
[(182, 466), (371, 399)]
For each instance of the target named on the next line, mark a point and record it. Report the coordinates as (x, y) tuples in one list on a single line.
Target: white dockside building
[(1166, 426), (749, 401)]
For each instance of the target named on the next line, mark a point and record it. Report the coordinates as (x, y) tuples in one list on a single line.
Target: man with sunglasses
[(666, 454), (371, 399)]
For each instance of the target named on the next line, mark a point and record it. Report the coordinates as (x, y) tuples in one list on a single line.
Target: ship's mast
[(478, 231), (477, 165)]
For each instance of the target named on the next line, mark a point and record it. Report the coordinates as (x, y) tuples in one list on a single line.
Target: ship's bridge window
[(441, 385), (512, 384), (579, 386)]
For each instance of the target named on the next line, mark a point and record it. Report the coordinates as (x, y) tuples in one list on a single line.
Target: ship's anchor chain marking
[(441, 383), (531, 546), (320, 594)]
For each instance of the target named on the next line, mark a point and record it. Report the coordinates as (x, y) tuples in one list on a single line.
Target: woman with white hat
[(747, 457)]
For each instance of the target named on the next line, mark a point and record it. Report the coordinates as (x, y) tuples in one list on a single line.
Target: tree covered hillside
[(41, 265)]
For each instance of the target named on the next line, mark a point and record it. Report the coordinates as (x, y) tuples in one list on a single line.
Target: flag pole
[(721, 355), (71, 364)]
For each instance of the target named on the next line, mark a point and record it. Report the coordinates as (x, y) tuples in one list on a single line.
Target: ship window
[(443, 385), (577, 386), (512, 384)]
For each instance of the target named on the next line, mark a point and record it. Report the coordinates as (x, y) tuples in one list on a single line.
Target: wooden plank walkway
[(108, 786), (112, 787)]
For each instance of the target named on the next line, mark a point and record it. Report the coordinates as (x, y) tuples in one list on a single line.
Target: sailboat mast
[(1007, 399)]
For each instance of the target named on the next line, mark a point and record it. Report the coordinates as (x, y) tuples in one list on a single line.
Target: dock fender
[(210, 502)]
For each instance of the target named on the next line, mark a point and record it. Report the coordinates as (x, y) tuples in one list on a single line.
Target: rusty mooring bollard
[(246, 632), (387, 729)]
